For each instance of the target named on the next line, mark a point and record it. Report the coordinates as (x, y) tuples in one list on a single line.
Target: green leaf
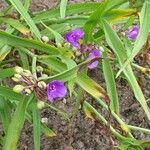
[(15, 24), (75, 9), (10, 94), (93, 20), (58, 38), (53, 62), (5, 113), (24, 59), (16, 125), (70, 10), (115, 43), (90, 86), (63, 5), (16, 41), (5, 49), (47, 131), (142, 36), (6, 73), (23, 12), (36, 125), (110, 83), (116, 15)]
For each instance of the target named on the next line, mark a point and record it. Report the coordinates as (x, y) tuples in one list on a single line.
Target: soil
[(83, 133)]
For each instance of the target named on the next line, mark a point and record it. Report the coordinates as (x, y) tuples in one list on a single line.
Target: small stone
[(44, 120), (64, 100)]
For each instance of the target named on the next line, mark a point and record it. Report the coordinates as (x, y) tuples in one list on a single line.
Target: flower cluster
[(74, 37), (28, 83)]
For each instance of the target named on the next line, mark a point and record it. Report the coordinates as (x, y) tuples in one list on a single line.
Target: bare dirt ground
[(83, 133)]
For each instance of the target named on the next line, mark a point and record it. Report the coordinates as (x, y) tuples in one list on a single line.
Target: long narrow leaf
[(142, 36), (16, 41), (115, 43), (110, 83), (20, 8), (63, 5), (36, 126), (16, 125)]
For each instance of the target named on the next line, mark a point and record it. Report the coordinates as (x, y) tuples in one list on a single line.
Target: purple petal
[(74, 36), (93, 65), (94, 54), (133, 32), (56, 89)]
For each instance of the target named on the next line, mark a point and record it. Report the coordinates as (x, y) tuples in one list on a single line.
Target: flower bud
[(15, 79), (45, 39), (18, 88), (67, 45), (18, 76), (59, 45), (39, 69), (40, 104), (26, 91), (27, 73), (78, 53), (18, 69), (42, 84)]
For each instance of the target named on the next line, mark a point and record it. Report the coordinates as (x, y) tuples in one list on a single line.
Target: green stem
[(34, 59), (27, 52), (118, 135), (139, 129)]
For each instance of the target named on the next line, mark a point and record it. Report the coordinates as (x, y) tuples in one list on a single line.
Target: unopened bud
[(42, 84), (18, 88), (26, 91), (18, 69), (27, 73), (78, 53), (45, 39), (15, 79), (18, 76), (40, 104), (59, 45), (39, 69), (67, 45), (101, 48)]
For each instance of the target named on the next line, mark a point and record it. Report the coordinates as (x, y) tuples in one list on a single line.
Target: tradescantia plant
[(46, 54)]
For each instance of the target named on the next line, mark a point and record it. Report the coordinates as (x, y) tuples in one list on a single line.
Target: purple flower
[(74, 36), (94, 54), (56, 89), (133, 32)]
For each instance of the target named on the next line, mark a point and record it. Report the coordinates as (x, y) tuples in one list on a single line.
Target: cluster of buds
[(27, 83)]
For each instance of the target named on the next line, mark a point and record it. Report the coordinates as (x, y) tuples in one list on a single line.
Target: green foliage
[(22, 44)]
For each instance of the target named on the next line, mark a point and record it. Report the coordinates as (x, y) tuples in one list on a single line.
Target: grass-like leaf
[(16, 41), (142, 36), (110, 83), (16, 125), (23, 12), (115, 43), (6, 73), (36, 125), (15, 24), (63, 5)]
